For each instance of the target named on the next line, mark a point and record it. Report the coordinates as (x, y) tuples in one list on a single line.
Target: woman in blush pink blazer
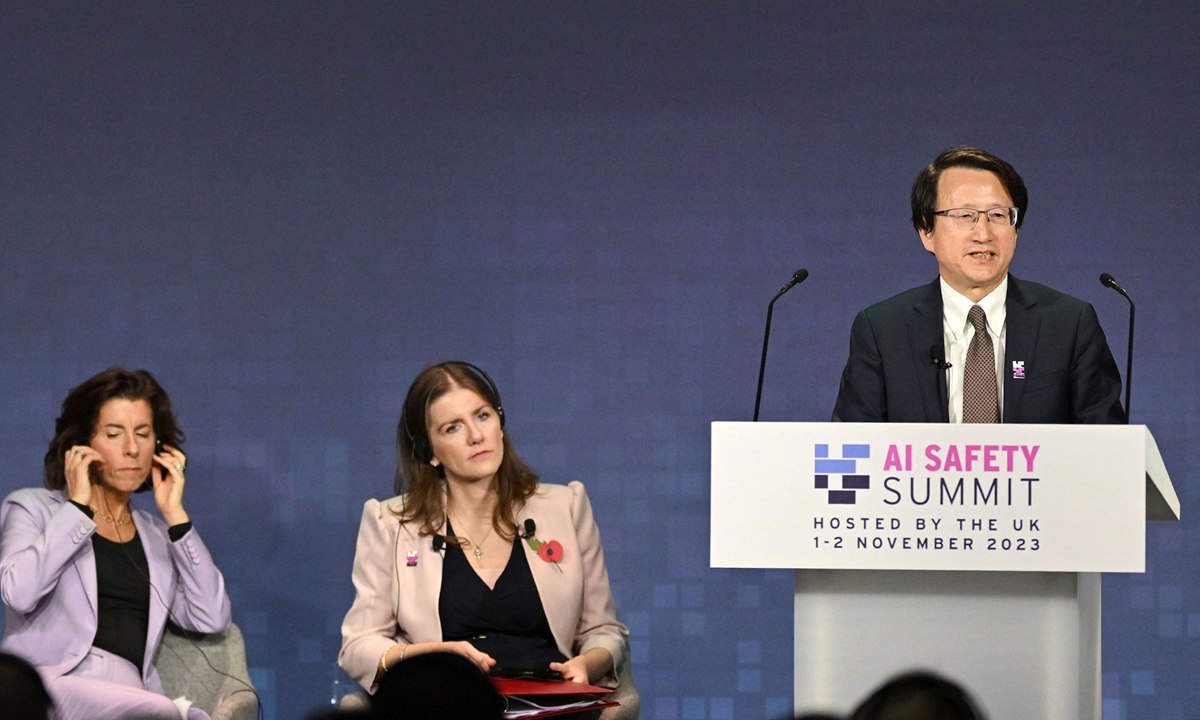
[(477, 557), (88, 580)]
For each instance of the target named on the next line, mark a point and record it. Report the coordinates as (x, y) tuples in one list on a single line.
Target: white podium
[(897, 531)]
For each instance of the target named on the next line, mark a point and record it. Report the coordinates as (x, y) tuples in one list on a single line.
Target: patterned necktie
[(980, 400)]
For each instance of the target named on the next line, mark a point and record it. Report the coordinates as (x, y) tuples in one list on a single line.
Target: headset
[(422, 451)]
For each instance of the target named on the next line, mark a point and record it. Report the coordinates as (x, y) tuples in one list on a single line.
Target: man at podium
[(977, 344)]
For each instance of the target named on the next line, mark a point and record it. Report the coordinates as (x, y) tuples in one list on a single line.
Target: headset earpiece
[(422, 451)]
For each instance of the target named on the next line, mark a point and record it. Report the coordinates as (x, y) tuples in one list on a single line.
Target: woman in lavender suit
[(88, 580)]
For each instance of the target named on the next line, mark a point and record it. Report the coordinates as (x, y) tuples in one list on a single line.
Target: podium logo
[(844, 468)]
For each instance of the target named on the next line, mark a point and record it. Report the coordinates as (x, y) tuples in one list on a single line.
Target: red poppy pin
[(550, 552)]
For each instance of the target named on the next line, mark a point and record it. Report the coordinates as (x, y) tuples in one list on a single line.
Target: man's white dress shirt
[(958, 333)]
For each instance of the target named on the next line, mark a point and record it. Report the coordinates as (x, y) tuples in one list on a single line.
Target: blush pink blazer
[(395, 601)]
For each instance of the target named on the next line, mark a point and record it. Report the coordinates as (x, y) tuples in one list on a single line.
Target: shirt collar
[(955, 307)]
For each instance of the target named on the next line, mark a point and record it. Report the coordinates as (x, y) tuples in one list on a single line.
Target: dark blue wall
[(286, 209)]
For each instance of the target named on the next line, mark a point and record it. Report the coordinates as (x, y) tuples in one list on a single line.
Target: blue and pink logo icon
[(847, 467)]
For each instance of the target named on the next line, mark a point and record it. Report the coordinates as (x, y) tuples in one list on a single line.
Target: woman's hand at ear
[(75, 466), (167, 477)]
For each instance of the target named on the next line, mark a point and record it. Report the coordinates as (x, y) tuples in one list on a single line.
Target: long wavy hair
[(81, 411), (424, 486)]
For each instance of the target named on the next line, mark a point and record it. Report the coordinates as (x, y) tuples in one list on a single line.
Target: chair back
[(224, 690)]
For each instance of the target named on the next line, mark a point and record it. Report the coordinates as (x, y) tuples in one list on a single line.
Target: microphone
[(937, 354), (439, 543), (937, 357), (797, 277), (530, 526), (1109, 282)]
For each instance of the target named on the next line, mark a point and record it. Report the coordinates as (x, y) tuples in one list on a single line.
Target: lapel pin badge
[(1018, 369), (411, 560)]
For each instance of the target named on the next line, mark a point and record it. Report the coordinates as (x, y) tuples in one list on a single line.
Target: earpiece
[(420, 447), (148, 485)]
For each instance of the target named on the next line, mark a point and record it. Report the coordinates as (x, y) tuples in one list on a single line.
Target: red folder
[(518, 686), (536, 689)]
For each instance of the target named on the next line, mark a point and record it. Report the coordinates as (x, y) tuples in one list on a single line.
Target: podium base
[(1026, 645)]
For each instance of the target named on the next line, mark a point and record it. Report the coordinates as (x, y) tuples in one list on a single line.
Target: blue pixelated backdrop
[(286, 209)]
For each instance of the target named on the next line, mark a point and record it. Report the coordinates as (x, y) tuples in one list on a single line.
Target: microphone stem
[(762, 366), (1129, 358), (1107, 281)]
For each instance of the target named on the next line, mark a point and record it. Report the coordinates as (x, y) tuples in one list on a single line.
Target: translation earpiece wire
[(259, 713)]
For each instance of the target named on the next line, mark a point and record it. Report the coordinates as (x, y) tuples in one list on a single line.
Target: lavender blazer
[(398, 600), (48, 583)]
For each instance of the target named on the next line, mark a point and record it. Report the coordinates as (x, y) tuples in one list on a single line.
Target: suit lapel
[(85, 566), (158, 557), (924, 332), (552, 583), (433, 580), (1021, 324), (425, 619)]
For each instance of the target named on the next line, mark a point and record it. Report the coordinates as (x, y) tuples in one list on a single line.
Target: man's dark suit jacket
[(1069, 372)]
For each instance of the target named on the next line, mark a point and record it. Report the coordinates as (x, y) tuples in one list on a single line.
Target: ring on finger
[(180, 467)]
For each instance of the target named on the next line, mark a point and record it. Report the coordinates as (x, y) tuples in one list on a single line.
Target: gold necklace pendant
[(478, 551)]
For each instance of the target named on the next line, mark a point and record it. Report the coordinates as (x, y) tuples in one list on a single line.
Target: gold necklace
[(478, 551), (113, 521)]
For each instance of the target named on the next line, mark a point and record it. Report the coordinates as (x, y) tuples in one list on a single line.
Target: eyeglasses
[(966, 218)]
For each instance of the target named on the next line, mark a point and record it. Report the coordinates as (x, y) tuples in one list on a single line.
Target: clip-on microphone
[(937, 355)]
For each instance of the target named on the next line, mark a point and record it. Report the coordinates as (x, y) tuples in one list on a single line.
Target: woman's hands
[(574, 670), (167, 478), (482, 660), (166, 475), (586, 668), (75, 466)]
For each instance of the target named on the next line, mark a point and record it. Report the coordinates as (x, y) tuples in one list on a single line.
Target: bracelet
[(383, 658)]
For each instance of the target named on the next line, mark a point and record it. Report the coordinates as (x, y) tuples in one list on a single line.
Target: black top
[(507, 622), (123, 590)]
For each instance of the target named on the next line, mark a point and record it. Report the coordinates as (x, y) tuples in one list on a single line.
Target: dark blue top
[(507, 622)]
